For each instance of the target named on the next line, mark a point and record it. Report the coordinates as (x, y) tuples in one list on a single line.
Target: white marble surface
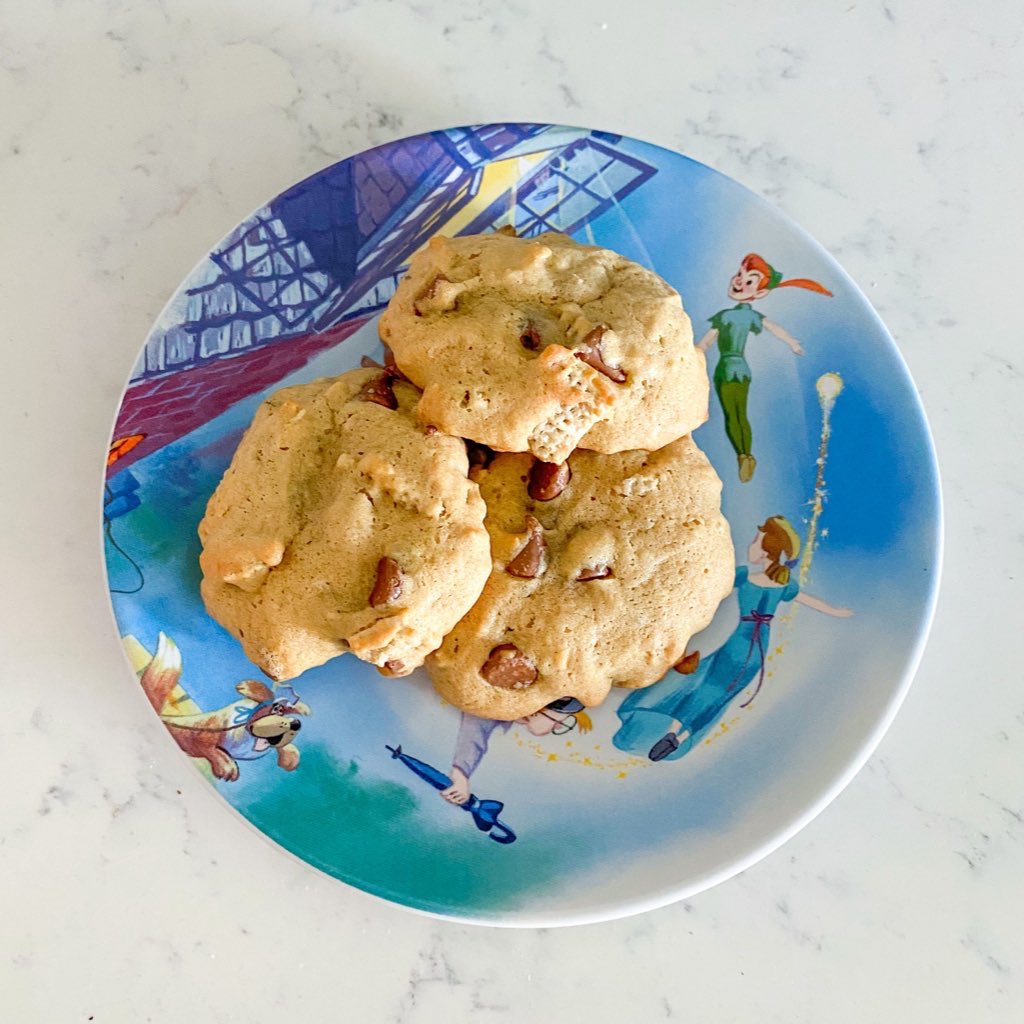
[(133, 134)]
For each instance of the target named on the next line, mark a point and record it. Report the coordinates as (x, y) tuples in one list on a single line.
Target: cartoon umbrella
[(485, 812)]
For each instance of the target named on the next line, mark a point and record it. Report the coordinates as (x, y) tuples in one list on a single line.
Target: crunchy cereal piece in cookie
[(544, 345)]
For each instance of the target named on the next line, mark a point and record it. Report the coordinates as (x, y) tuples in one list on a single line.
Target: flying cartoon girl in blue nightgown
[(666, 720)]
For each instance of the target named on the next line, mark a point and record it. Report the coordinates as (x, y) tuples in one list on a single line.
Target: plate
[(829, 472)]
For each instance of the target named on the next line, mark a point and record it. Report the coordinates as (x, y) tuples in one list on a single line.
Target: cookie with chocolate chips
[(603, 568), (342, 524), (545, 345)]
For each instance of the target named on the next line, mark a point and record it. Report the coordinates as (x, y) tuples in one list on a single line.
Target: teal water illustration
[(379, 830)]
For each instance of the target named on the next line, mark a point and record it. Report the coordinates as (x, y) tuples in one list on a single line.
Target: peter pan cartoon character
[(731, 328)]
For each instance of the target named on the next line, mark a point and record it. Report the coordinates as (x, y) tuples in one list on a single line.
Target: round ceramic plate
[(815, 429)]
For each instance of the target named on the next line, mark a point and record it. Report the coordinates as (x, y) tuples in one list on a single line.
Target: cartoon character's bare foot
[(458, 792)]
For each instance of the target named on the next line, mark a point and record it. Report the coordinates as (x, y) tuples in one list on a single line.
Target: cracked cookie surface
[(545, 345), (601, 574), (342, 525)]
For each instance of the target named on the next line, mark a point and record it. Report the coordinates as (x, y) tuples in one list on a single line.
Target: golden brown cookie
[(343, 525), (603, 570), (544, 345)]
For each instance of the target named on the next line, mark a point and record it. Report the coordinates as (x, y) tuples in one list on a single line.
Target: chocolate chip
[(530, 338), (508, 668), (378, 390), (480, 456), (391, 668), (429, 429), (528, 563), (688, 663), (590, 353), (388, 586), (507, 229), (548, 480), (599, 572), (421, 302), (391, 366)]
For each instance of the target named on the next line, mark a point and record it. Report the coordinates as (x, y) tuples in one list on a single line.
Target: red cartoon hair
[(771, 278)]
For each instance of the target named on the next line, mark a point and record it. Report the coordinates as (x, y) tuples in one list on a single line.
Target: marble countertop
[(135, 134)]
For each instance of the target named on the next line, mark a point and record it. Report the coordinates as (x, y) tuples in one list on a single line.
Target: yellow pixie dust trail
[(723, 728), (582, 757)]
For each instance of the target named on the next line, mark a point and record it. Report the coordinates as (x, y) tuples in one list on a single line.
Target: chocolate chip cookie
[(545, 345), (604, 568), (343, 525)]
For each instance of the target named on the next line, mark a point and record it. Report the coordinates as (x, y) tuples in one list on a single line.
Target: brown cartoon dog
[(249, 728)]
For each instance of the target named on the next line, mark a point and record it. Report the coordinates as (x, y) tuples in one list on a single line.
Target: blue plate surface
[(815, 428)]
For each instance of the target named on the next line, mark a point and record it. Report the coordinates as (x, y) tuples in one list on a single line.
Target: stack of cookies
[(512, 499)]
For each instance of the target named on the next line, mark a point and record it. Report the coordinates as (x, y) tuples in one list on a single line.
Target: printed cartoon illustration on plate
[(572, 812), (729, 332), (258, 721)]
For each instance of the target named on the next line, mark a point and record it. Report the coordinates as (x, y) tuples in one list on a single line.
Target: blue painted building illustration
[(334, 245)]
